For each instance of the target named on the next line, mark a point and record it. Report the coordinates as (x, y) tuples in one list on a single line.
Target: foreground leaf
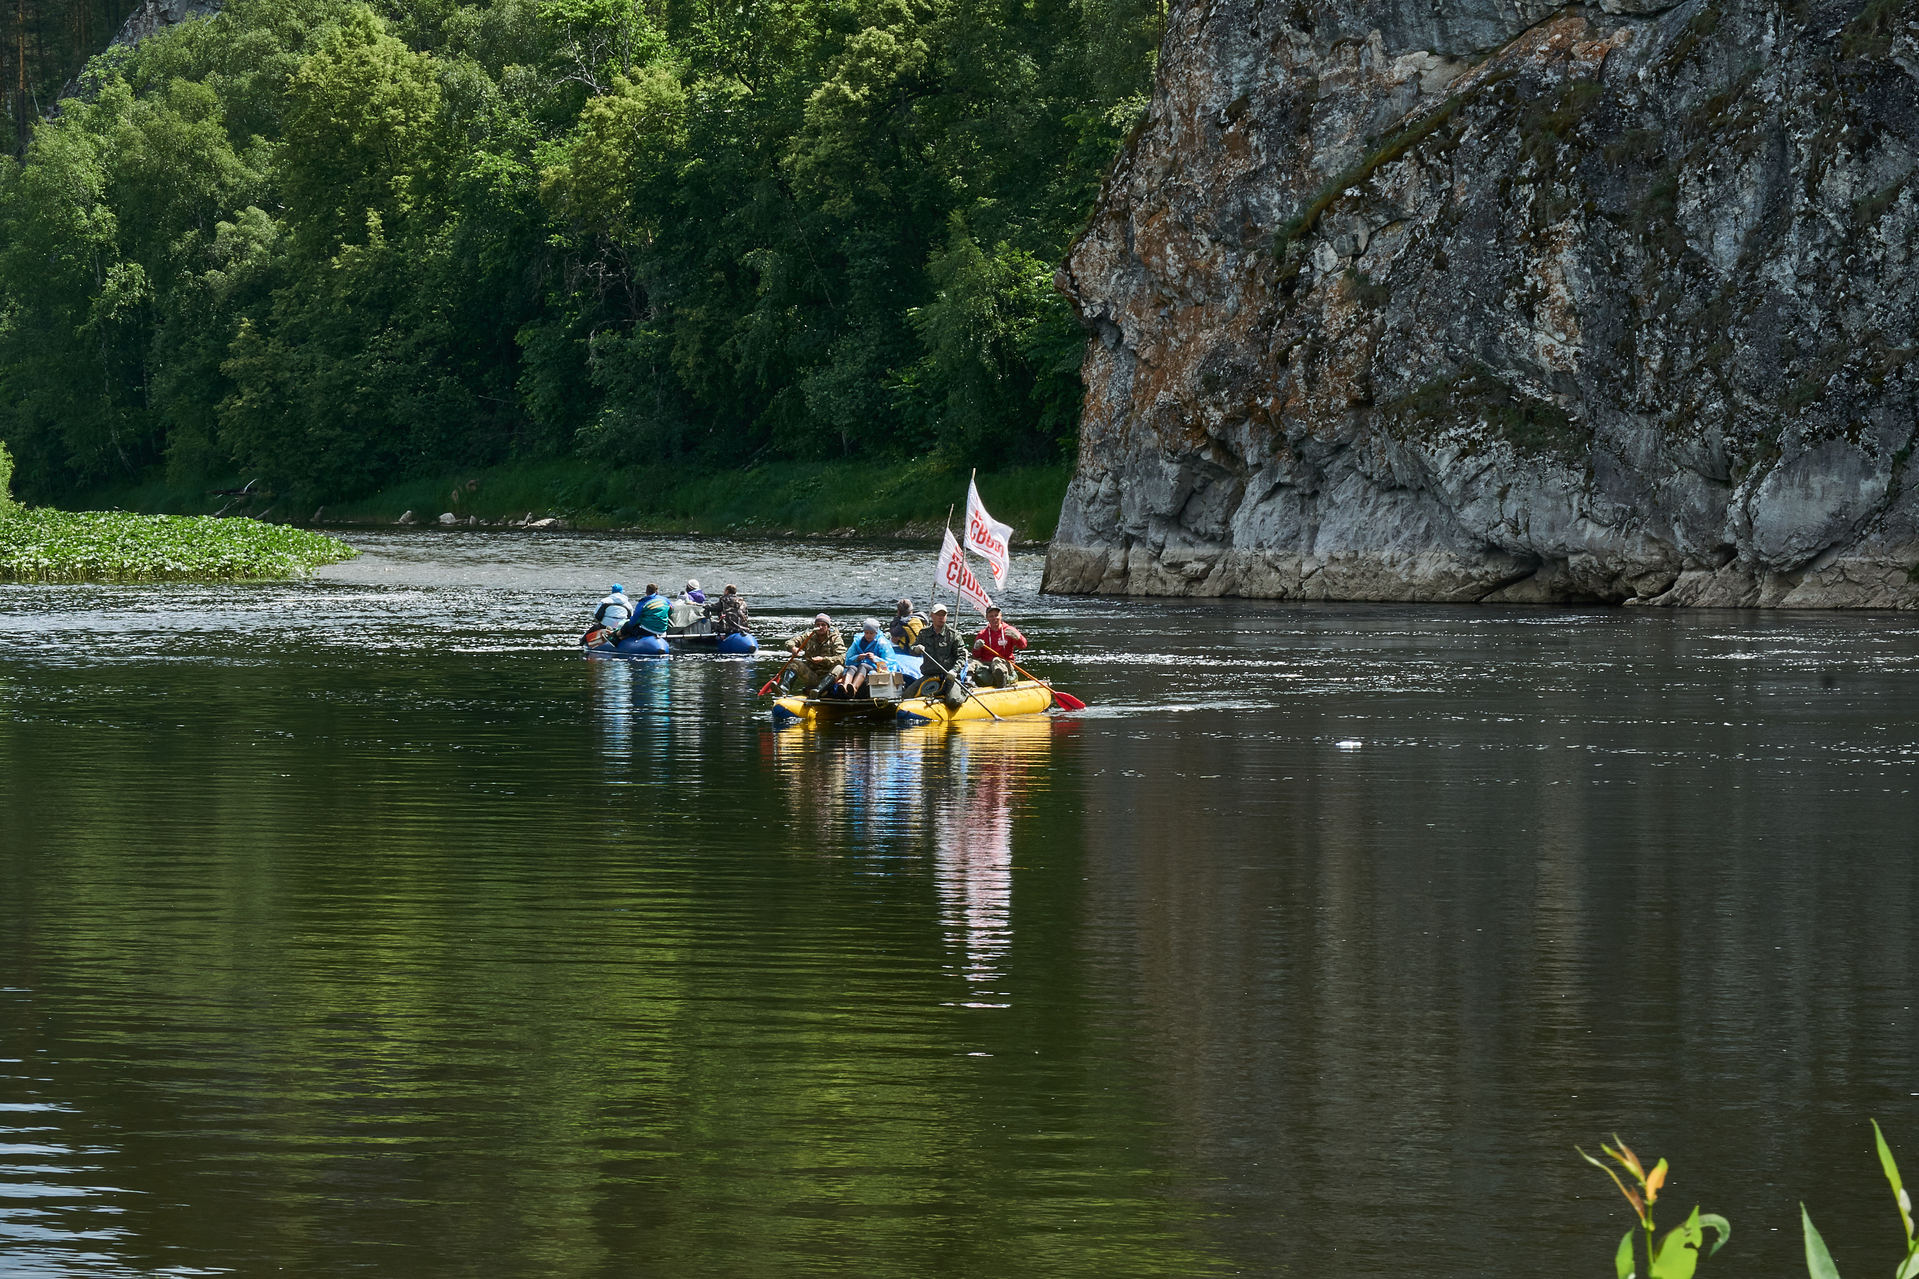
[(1818, 1260), (1721, 1228), (1678, 1255), (1622, 1262), (1892, 1178)]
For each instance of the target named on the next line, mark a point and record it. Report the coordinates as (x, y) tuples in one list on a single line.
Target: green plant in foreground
[(1677, 1255), (1819, 1261)]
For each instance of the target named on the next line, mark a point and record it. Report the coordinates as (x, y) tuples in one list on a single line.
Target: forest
[(328, 245), (42, 47)]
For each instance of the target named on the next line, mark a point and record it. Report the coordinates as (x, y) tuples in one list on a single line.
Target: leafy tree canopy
[(333, 243)]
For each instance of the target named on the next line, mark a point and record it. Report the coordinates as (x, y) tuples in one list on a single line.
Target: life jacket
[(613, 611), (906, 630), (655, 613)]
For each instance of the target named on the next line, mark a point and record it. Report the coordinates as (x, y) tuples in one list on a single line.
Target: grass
[(38, 544), (874, 499)]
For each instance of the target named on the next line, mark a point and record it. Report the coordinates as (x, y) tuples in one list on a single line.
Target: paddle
[(777, 678), (1067, 702), (964, 687)]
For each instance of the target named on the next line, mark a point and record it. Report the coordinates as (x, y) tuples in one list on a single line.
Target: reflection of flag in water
[(976, 872), (986, 537), (955, 574)]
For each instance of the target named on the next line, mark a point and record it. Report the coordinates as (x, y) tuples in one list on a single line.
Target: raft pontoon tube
[(885, 689), (1027, 697), (641, 645), (646, 645)]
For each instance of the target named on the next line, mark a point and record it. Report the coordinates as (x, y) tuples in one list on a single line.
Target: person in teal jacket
[(868, 653), (651, 615)]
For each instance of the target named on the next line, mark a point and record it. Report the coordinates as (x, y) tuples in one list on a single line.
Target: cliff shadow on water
[(1508, 303)]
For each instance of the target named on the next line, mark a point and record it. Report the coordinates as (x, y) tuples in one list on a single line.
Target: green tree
[(332, 244)]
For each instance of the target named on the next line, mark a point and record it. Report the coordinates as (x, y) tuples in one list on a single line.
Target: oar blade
[(1067, 702)]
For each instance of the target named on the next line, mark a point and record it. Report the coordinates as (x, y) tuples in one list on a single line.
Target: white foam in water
[(1349, 744)]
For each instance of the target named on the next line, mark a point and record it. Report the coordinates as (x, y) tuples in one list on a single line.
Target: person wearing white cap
[(693, 594), (816, 654), (942, 656)]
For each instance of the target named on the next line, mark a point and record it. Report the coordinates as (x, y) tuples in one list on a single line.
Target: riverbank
[(846, 498), (38, 544)]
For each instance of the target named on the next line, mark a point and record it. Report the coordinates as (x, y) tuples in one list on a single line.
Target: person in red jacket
[(994, 649)]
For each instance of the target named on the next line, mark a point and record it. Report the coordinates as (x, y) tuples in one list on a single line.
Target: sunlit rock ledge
[(1508, 302)]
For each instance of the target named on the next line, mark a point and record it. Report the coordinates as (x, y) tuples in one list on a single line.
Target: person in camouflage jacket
[(942, 652), (728, 612), (819, 651)]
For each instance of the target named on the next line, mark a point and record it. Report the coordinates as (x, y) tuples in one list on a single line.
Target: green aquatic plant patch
[(42, 545)]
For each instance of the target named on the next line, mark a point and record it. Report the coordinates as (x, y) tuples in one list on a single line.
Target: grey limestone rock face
[(155, 15), (1502, 300)]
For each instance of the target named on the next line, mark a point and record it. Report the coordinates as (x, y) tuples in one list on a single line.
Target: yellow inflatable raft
[(1028, 697), (812, 711)]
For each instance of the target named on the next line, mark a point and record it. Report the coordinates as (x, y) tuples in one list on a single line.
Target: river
[(360, 926)]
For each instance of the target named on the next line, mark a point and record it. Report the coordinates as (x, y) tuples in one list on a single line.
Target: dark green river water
[(361, 927)]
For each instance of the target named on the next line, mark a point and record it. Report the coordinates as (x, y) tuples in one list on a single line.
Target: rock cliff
[(152, 16), (1504, 300)]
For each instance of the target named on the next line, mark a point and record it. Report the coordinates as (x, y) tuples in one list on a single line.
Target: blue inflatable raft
[(637, 646), (644, 645)]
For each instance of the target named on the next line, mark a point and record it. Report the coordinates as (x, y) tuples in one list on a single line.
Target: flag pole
[(936, 567)]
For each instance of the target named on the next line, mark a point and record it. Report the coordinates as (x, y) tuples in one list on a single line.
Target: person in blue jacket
[(868, 653)]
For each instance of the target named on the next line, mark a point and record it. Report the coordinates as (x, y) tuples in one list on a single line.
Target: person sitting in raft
[(994, 649), (940, 653), (905, 626), (817, 654), (612, 613), (693, 594), (868, 653), (651, 616), (729, 612)]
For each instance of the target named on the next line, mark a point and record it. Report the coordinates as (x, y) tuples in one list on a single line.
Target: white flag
[(955, 574), (986, 537)]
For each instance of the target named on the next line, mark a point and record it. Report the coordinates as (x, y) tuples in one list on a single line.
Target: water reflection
[(951, 790), (852, 790), (55, 1219), (341, 956), (991, 766), (613, 702)]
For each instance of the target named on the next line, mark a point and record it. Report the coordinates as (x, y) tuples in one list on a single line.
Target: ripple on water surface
[(359, 925)]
